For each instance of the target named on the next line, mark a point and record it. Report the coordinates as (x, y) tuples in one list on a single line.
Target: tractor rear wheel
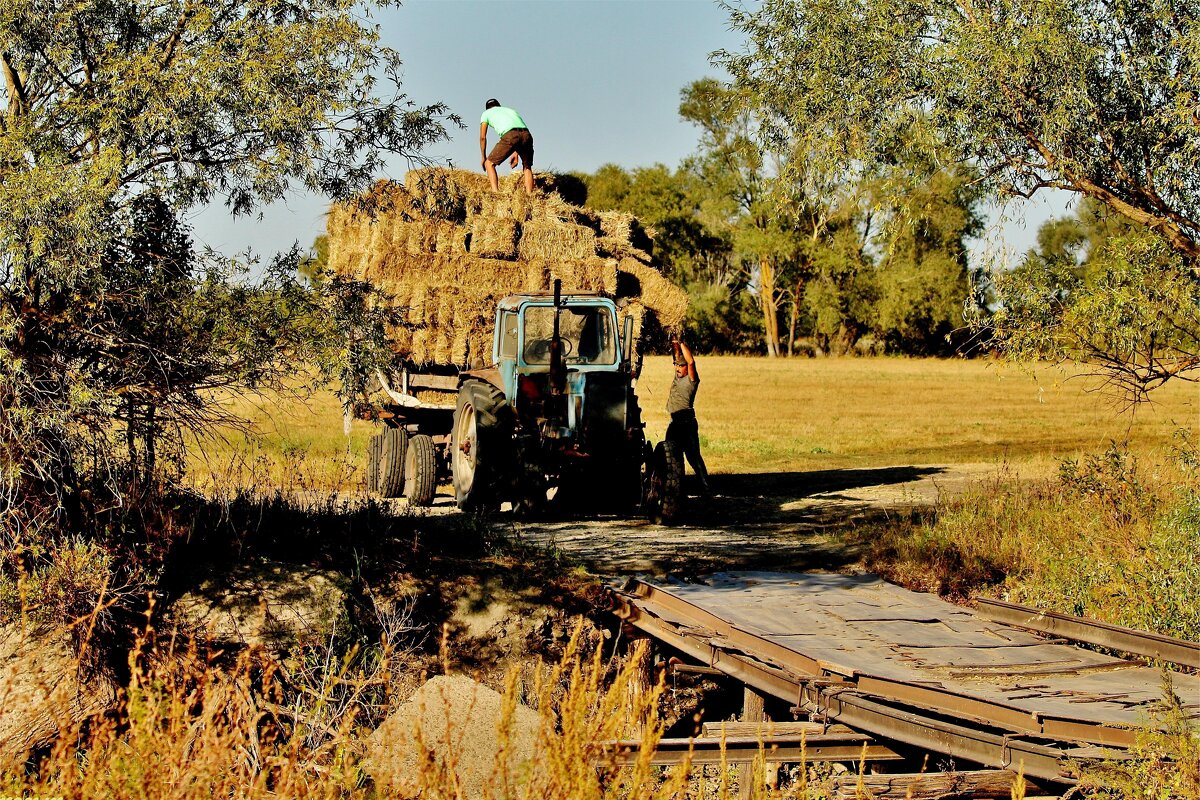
[(391, 462), (420, 471), (664, 495), (480, 443)]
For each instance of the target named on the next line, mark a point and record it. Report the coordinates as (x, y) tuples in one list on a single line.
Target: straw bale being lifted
[(443, 249)]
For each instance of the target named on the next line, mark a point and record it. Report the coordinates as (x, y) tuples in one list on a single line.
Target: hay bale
[(597, 275), (421, 348), (418, 300), (451, 239), (572, 189), (480, 346), (446, 249), (614, 247), (446, 308), (459, 345), (493, 237), (444, 194), (668, 302), (421, 237), (515, 205), (401, 338), (627, 228), (551, 240)]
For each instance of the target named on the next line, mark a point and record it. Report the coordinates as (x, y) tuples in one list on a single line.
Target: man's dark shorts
[(519, 141)]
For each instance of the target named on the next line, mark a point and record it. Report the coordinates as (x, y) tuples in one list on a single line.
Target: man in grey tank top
[(683, 428)]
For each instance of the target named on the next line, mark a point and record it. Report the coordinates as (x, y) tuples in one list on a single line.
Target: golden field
[(765, 415)]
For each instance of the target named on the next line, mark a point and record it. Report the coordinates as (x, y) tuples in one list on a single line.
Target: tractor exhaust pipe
[(558, 374)]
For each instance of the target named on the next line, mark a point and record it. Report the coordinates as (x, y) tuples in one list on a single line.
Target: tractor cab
[(563, 362)]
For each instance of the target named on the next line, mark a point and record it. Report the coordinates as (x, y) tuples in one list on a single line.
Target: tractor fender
[(486, 374)]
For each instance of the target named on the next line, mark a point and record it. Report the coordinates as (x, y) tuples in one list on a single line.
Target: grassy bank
[(1113, 535)]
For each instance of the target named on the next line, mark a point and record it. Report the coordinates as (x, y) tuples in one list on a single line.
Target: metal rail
[(1082, 629), (803, 682)]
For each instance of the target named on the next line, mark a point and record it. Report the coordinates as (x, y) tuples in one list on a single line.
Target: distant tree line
[(849, 263)]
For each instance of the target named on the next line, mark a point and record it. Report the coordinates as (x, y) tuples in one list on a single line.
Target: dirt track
[(774, 521)]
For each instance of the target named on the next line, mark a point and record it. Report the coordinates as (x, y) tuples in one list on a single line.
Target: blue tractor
[(558, 411)]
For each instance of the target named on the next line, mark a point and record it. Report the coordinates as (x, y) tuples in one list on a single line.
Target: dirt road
[(776, 521)]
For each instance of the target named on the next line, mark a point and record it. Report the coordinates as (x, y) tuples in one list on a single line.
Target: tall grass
[(1113, 535), (188, 728)]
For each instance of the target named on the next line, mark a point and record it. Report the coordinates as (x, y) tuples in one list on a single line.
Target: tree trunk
[(792, 327), (769, 304), (130, 433), (149, 435)]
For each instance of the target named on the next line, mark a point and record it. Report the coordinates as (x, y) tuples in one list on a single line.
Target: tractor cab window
[(587, 333), (508, 334)]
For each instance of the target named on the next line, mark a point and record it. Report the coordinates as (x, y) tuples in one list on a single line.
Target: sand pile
[(446, 249)]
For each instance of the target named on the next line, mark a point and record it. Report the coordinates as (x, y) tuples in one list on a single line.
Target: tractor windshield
[(587, 333)]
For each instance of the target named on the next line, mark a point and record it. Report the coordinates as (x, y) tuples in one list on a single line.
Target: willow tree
[(1100, 98), (104, 101)]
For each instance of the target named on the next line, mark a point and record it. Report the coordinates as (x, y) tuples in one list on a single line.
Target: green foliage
[(118, 116), (314, 263), (116, 336), (922, 285), (1096, 97), (721, 317), (1130, 312), (1165, 762)]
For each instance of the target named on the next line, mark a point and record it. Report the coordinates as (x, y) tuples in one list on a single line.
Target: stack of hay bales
[(445, 249)]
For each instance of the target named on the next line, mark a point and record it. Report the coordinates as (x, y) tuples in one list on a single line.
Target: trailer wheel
[(374, 450), (391, 462), (420, 471), (664, 495), (479, 444)]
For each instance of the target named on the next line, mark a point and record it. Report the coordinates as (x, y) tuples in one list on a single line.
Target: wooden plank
[(928, 785), (1082, 629)]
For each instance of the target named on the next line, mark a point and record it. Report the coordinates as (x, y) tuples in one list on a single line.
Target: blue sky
[(597, 81)]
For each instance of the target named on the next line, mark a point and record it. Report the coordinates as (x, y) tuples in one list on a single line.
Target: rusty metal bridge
[(1001, 686)]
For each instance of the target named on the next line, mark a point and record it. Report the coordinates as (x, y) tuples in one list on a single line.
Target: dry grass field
[(762, 415)]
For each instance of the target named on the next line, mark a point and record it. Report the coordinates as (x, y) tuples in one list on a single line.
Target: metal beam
[(1082, 629), (842, 704)]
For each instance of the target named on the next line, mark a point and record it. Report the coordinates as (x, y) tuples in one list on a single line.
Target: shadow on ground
[(775, 521)]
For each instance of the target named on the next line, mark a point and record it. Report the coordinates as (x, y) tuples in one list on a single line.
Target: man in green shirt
[(515, 140)]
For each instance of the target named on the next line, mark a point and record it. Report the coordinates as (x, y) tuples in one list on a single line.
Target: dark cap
[(491, 104)]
